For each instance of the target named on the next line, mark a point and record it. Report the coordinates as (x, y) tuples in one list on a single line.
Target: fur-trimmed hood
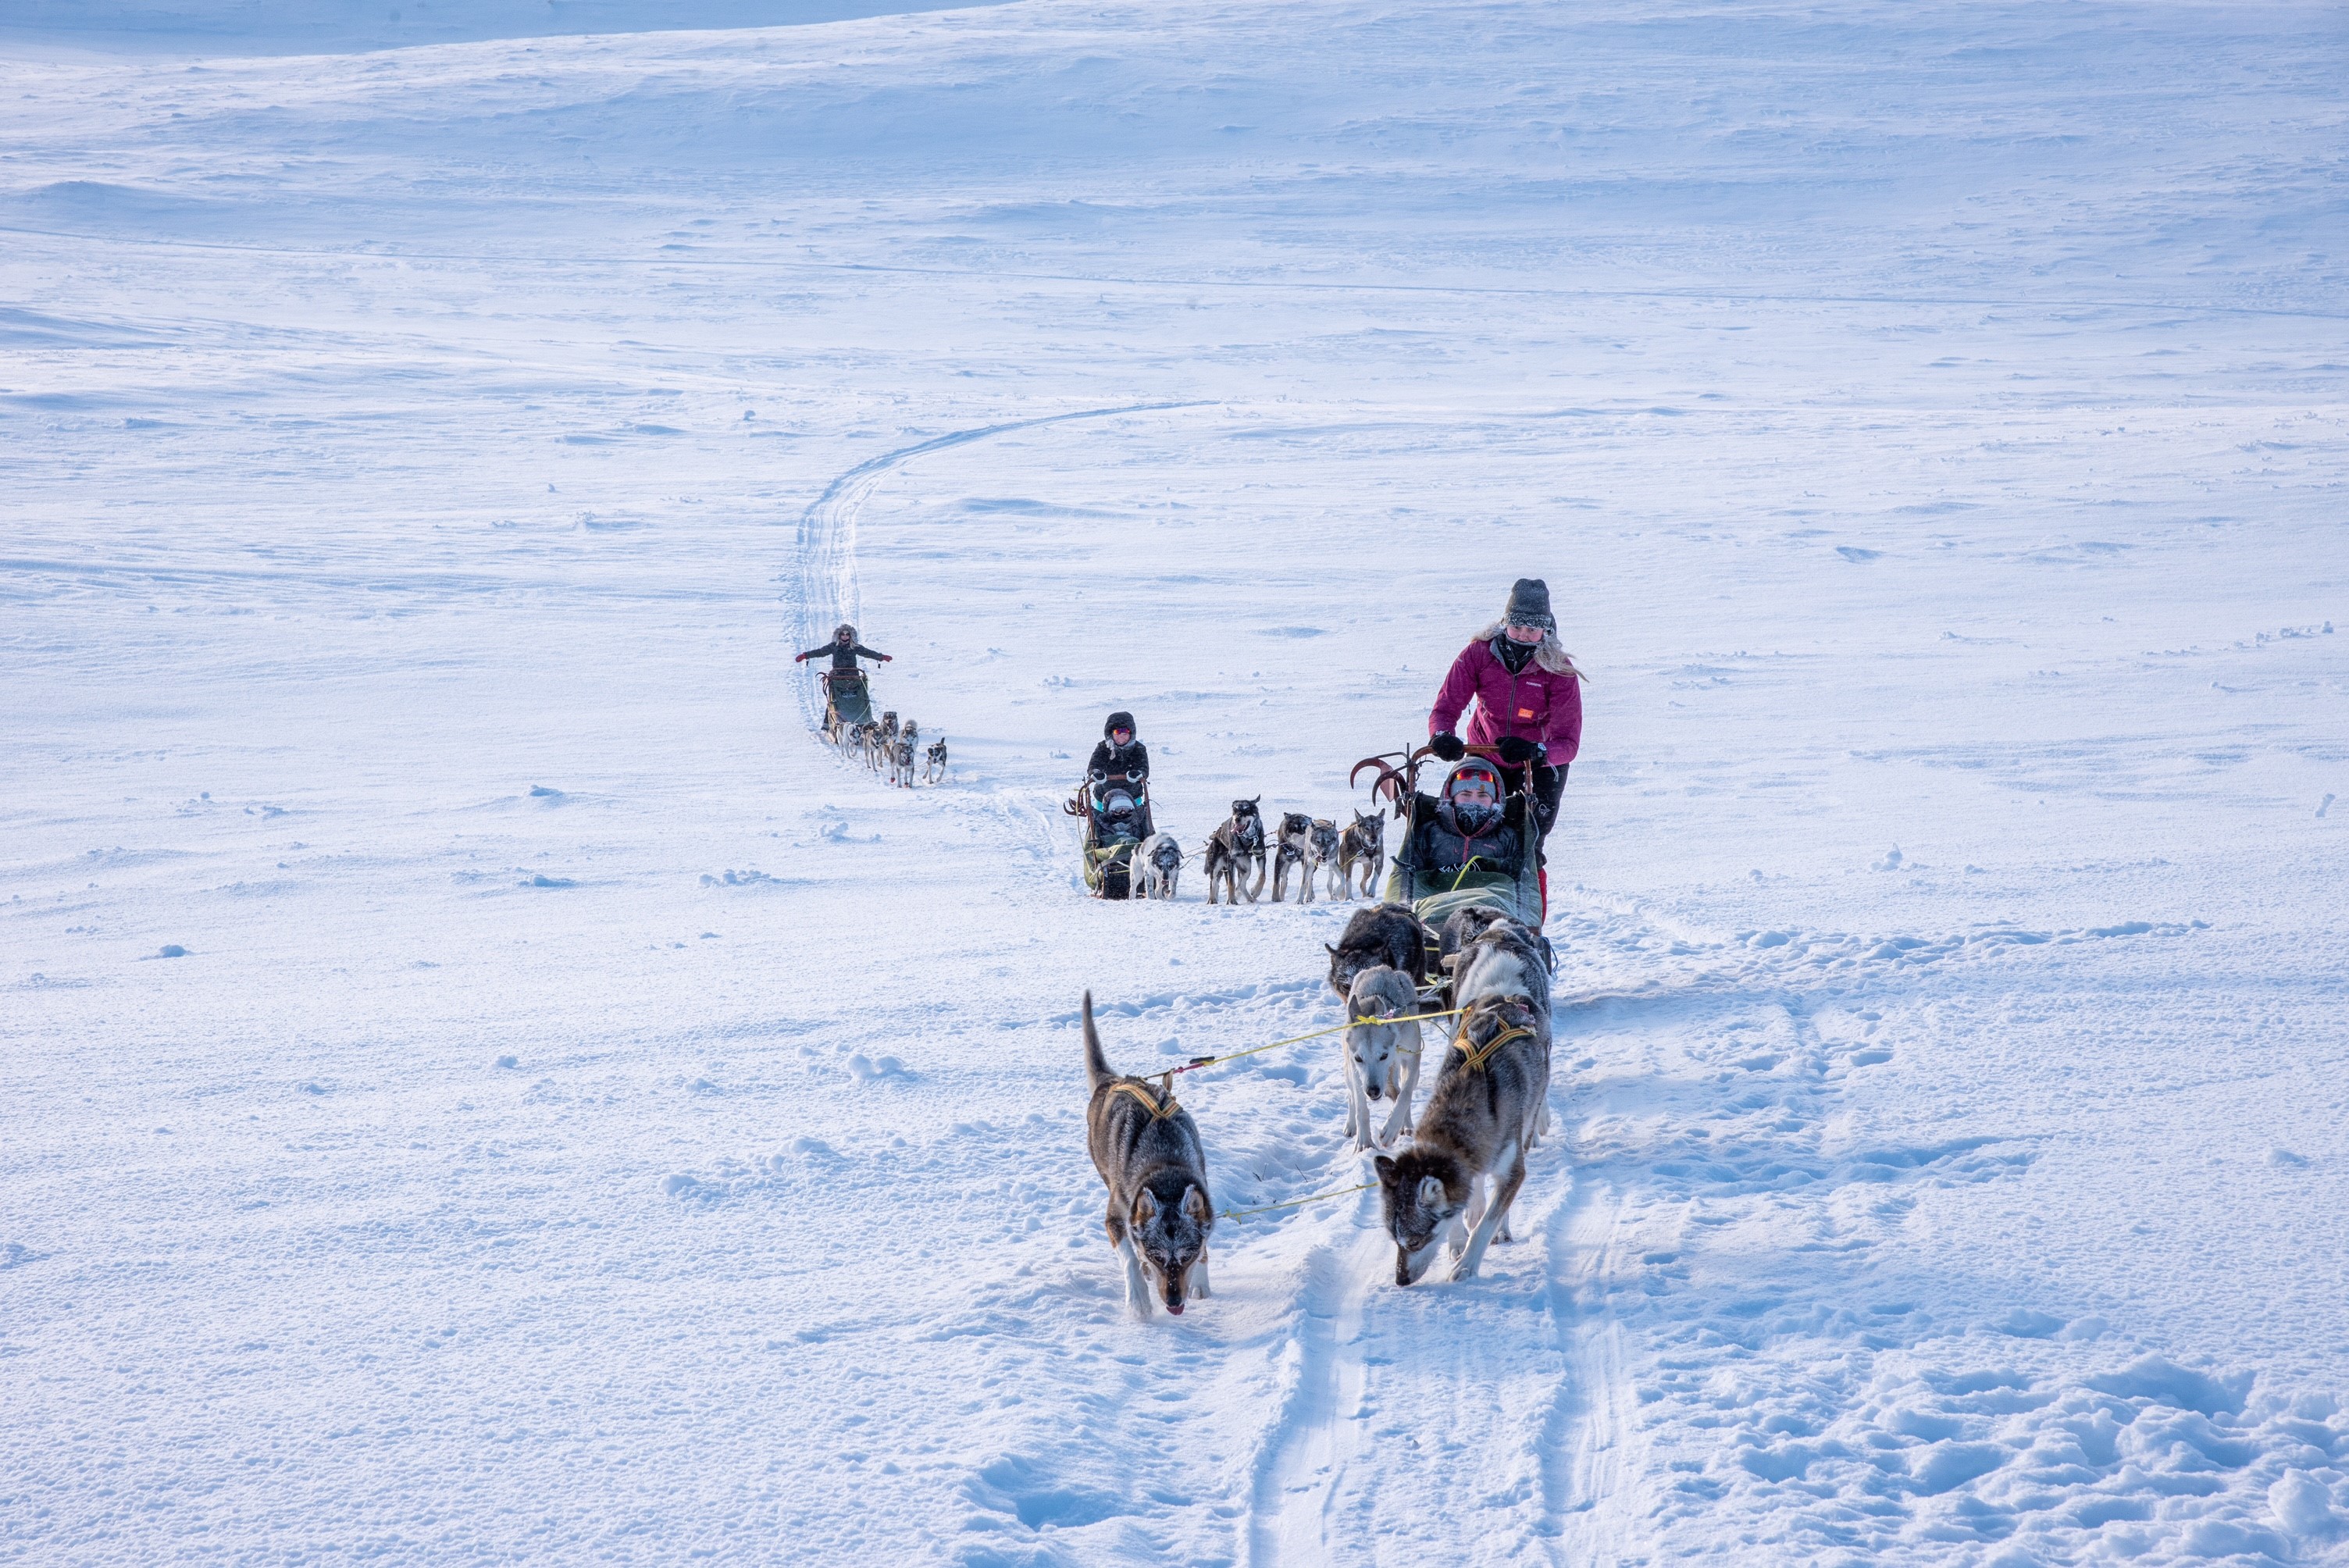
[(1549, 653)]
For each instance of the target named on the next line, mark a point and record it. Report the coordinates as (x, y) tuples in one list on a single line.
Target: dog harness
[(1476, 1058), (1161, 1104)]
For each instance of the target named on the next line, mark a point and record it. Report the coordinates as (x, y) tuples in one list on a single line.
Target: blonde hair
[(1548, 653)]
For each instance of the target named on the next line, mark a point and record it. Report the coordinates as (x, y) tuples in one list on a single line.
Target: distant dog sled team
[(1454, 951), (891, 749)]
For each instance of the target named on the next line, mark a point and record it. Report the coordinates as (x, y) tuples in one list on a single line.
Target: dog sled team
[(1457, 943), (1456, 946), (1450, 1181), (895, 751)]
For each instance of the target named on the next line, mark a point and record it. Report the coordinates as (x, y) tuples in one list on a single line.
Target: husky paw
[(1463, 1272)]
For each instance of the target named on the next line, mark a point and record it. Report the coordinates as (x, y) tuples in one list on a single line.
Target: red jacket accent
[(1533, 704)]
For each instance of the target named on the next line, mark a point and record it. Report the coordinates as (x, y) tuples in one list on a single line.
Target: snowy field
[(580, 1119)]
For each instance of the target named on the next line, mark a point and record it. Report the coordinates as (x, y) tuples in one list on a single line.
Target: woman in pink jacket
[(1528, 698)]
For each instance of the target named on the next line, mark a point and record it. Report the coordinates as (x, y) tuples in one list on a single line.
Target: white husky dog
[(1381, 1057), (1156, 865)]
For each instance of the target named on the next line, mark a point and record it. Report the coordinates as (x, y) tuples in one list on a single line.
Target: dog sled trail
[(826, 586), (1484, 1422)]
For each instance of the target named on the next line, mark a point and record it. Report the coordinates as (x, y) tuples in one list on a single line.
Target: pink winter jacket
[(1533, 704)]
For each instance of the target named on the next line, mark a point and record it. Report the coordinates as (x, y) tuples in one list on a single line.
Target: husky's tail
[(1097, 1071)]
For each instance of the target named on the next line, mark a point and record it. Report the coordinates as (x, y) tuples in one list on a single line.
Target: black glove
[(1100, 776), (1517, 753), (1447, 746)]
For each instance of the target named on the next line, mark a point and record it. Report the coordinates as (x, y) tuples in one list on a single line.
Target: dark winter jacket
[(1531, 703), (1131, 760), (1438, 847), (843, 657)]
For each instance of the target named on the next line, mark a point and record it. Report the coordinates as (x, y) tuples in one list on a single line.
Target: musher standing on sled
[(843, 649), (1528, 698)]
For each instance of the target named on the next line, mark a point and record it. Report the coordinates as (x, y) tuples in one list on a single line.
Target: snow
[(579, 1116)]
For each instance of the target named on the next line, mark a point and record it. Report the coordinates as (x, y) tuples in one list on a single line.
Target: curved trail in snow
[(827, 531)]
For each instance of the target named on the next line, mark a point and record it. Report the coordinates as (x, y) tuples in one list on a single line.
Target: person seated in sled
[(1464, 839), (1119, 770), (1529, 701), (843, 648)]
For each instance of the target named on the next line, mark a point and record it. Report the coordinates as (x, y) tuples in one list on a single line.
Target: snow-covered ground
[(583, 1120)]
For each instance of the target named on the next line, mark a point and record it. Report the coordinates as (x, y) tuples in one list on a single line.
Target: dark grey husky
[(1147, 1151), (1232, 848), (1480, 1121), (1388, 933)]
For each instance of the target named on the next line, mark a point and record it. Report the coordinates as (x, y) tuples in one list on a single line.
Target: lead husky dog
[(1480, 1121), (1230, 849), (1157, 864), (901, 755), (1293, 847), (1381, 1057), (1362, 849), (935, 772), (1388, 933), (1147, 1151)]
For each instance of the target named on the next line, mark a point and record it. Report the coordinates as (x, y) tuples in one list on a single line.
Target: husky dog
[(1147, 1151), (1480, 1121), (1294, 848), (1381, 1057), (1388, 933), (1460, 932), (852, 740), (1361, 849), (1230, 849), (901, 756), (1157, 863), (1504, 959), (935, 764), (1323, 840)]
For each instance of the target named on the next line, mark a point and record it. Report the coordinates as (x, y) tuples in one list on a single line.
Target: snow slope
[(584, 1118)]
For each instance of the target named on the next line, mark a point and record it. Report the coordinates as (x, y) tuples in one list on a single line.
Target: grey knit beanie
[(1530, 604)]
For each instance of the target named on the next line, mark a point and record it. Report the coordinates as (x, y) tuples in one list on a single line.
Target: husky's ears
[(1386, 1167), (1195, 1204), (1330, 950), (1431, 1191), (1145, 1207)]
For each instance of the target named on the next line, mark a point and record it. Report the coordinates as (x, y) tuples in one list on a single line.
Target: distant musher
[(1528, 698), (843, 649)]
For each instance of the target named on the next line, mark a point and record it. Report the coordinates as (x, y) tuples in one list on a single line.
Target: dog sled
[(847, 702), (1435, 894), (1116, 813)]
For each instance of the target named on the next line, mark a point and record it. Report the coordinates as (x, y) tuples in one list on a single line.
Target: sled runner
[(848, 702), (1116, 813)]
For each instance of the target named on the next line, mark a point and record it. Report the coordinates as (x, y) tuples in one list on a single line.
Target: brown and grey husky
[(1361, 851), (1147, 1151), (1480, 1121), (1232, 848)]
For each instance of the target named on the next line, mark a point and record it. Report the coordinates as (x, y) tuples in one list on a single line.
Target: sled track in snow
[(827, 532)]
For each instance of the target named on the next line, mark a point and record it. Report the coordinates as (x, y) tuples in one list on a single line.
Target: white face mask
[(1474, 812)]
